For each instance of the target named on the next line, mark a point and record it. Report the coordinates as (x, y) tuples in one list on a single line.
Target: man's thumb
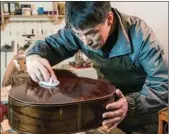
[(119, 93)]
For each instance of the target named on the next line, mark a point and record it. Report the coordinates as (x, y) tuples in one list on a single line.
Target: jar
[(12, 8), (34, 11), (6, 8), (26, 11)]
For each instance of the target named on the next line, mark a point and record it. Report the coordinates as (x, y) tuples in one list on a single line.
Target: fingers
[(38, 74), (119, 93), (114, 105), (51, 72), (113, 114), (107, 126), (44, 73), (40, 70), (111, 121), (118, 104), (112, 127), (33, 76), (116, 112)]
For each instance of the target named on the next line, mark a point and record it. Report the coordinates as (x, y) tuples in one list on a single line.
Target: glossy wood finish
[(77, 104)]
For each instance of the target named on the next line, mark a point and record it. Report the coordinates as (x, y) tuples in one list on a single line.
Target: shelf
[(38, 18), (31, 16), (55, 19), (12, 18)]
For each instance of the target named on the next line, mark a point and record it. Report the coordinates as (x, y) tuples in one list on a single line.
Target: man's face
[(95, 37)]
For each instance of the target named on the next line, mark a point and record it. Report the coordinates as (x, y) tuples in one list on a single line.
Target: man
[(124, 51)]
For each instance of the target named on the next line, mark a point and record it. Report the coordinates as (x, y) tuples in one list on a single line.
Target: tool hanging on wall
[(41, 28)]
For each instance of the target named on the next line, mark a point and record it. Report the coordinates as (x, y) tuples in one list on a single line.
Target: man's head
[(90, 20)]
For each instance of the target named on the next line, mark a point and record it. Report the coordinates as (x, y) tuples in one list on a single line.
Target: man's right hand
[(39, 69)]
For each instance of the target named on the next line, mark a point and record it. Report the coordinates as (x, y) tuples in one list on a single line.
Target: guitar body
[(75, 105)]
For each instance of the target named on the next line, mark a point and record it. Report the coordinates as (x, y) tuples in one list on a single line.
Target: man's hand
[(117, 112), (39, 69)]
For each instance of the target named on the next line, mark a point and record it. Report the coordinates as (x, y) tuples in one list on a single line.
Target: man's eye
[(91, 34)]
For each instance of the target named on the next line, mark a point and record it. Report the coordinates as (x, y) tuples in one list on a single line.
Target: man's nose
[(84, 39)]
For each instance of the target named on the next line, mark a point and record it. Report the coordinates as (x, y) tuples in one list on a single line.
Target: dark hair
[(86, 14)]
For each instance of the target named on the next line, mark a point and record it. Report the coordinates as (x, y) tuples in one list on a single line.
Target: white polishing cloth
[(49, 83)]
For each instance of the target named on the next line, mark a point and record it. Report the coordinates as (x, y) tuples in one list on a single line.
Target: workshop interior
[(75, 103)]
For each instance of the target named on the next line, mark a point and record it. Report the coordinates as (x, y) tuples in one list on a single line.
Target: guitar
[(75, 105)]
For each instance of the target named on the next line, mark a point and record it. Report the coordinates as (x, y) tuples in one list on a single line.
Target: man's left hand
[(117, 112)]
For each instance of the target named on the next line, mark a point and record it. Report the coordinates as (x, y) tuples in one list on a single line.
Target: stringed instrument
[(75, 105)]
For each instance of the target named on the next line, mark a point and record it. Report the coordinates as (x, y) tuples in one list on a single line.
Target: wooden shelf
[(11, 18), (31, 16), (38, 18), (55, 19)]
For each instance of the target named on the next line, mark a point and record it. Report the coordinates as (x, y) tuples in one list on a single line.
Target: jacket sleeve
[(154, 93), (57, 47)]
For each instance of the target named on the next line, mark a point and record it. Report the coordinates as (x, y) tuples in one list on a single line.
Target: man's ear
[(110, 18)]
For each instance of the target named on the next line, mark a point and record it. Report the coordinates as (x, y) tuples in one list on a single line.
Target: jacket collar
[(122, 45)]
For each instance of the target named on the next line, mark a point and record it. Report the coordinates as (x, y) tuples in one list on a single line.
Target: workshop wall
[(155, 14)]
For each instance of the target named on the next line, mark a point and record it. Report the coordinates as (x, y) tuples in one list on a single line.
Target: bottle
[(18, 10), (6, 8), (34, 11), (12, 8)]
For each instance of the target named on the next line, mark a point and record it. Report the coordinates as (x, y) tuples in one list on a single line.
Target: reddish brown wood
[(77, 104)]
